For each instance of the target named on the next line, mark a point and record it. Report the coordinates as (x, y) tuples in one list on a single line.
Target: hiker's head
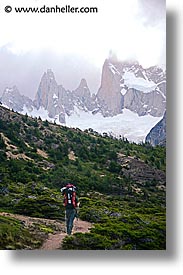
[(69, 184)]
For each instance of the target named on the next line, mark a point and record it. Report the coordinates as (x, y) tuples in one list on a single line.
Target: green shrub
[(13, 235), (87, 241)]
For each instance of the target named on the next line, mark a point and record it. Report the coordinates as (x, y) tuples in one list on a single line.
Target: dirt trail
[(53, 240)]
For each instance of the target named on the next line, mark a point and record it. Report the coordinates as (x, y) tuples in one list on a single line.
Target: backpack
[(69, 193)]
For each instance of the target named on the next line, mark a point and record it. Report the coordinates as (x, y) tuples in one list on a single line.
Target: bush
[(87, 241)]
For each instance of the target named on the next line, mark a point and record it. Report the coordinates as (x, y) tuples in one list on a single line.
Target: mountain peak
[(50, 72), (49, 75), (109, 96), (83, 84), (12, 98), (10, 90), (47, 89)]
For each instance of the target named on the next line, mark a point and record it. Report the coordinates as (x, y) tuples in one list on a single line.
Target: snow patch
[(9, 90), (123, 91), (41, 112), (138, 83), (113, 69)]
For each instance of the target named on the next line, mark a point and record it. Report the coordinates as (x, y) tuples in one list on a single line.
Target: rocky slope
[(157, 135)]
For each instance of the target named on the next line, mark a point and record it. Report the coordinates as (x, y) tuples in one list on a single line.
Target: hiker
[(70, 203)]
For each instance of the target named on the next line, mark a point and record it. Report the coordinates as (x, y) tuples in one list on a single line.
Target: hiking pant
[(70, 215)]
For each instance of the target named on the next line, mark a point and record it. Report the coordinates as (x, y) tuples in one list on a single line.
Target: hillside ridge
[(121, 185)]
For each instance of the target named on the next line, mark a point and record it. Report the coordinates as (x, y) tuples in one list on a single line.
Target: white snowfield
[(41, 112), (138, 83), (128, 124)]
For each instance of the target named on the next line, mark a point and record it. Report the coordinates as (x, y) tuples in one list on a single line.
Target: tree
[(46, 123)]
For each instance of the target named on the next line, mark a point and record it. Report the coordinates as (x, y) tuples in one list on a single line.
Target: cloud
[(152, 11), (75, 44), (123, 26)]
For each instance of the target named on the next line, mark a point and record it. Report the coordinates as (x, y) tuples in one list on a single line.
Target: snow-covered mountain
[(60, 102), (128, 85), (130, 101)]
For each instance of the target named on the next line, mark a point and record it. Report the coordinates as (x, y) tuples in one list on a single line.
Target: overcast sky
[(75, 46)]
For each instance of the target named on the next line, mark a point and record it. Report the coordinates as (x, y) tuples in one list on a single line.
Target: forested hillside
[(121, 185)]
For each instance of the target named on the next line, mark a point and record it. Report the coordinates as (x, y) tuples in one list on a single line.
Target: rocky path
[(54, 239)]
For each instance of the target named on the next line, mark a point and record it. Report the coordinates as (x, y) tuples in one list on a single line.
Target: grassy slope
[(121, 185)]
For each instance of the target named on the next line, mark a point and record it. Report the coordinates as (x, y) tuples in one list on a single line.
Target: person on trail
[(71, 204)]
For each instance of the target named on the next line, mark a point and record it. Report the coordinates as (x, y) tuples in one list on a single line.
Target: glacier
[(127, 124)]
